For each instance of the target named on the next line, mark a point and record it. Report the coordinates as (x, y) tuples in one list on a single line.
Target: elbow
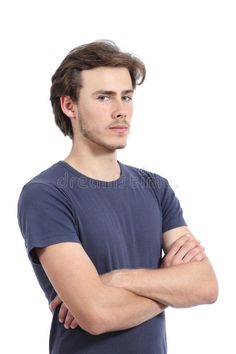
[(96, 318), (211, 291), (96, 328), (213, 294), (94, 323), (209, 285)]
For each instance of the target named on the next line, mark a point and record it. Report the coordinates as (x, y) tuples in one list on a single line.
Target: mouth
[(120, 128)]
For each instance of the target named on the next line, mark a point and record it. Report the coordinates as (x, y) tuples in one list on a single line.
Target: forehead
[(106, 78)]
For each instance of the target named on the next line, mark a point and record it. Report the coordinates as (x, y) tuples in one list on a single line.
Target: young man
[(95, 228)]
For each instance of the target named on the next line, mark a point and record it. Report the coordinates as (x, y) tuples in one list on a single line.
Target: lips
[(120, 128)]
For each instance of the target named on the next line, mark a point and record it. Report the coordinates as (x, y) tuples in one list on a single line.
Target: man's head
[(97, 66)]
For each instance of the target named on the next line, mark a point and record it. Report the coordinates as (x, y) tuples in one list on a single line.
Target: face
[(104, 108)]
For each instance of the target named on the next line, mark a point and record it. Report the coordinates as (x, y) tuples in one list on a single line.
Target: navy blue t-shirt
[(119, 224)]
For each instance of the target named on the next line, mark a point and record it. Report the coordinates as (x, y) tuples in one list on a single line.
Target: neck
[(97, 163)]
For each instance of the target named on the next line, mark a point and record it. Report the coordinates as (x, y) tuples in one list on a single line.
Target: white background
[(183, 128)]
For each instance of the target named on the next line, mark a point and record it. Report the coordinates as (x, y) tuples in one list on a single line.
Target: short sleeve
[(45, 217), (172, 214)]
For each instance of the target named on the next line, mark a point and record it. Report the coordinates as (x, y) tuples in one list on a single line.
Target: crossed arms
[(126, 298)]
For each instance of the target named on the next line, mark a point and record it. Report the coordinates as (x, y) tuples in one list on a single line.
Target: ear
[(68, 106)]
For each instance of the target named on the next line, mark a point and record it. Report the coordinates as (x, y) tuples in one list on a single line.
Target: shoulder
[(50, 176), (147, 178), (45, 186)]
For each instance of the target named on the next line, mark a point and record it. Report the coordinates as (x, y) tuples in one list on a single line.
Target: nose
[(119, 111), (119, 115)]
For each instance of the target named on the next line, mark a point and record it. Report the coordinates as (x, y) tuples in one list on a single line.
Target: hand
[(184, 250), (64, 315)]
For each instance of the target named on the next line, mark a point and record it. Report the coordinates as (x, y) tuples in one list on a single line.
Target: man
[(95, 228)]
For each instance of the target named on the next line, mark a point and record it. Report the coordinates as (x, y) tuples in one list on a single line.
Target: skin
[(180, 282), (117, 300), (184, 250), (96, 112)]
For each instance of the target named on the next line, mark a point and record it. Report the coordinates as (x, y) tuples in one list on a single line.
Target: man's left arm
[(182, 281)]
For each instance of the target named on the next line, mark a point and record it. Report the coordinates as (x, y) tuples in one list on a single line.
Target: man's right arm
[(97, 308)]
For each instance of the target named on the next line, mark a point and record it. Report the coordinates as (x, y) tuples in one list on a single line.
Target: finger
[(198, 252), (176, 253), (199, 257), (54, 303), (175, 247), (68, 320), (74, 324), (62, 313), (187, 247)]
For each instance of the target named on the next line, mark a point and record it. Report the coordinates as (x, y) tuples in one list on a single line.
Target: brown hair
[(67, 79)]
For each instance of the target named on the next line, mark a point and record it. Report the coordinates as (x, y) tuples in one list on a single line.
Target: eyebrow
[(111, 93)]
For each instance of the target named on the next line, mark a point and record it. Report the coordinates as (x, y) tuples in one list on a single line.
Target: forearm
[(115, 309), (184, 285), (122, 309)]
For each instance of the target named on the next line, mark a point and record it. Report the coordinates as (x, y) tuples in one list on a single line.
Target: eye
[(127, 98), (103, 98)]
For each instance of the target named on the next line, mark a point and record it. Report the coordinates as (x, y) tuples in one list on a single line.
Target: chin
[(121, 146), (115, 147)]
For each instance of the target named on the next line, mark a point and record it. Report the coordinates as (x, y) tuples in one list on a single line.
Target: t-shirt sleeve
[(45, 217), (172, 213)]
